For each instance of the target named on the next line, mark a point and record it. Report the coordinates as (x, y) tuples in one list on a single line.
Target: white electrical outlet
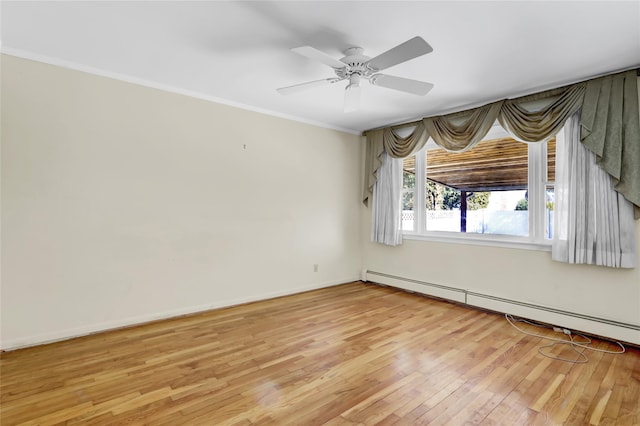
[(315, 267)]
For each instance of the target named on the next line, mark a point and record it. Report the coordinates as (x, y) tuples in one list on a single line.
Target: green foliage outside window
[(522, 204), (441, 197), (409, 184)]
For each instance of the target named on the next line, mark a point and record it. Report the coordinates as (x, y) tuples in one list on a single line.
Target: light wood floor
[(351, 354)]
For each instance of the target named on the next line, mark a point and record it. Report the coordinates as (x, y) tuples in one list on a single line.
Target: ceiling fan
[(355, 66)]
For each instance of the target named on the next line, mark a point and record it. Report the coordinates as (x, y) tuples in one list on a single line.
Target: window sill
[(503, 241)]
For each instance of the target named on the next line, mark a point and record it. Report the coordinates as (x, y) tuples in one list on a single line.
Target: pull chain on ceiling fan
[(356, 66)]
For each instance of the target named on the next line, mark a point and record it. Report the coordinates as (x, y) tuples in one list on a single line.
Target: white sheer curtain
[(387, 203), (593, 224)]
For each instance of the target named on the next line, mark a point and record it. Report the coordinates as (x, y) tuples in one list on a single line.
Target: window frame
[(537, 186)]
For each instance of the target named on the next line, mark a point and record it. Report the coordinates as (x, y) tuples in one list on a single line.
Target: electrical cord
[(584, 345)]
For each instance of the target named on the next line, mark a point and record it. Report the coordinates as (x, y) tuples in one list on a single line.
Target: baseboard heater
[(597, 326)]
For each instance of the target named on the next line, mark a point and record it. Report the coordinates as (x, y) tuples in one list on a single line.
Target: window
[(501, 190)]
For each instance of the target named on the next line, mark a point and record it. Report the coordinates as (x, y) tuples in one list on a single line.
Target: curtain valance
[(461, 131), (610, 123), (540, 124), (386, 140)]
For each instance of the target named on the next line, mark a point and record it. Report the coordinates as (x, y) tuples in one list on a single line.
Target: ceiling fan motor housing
[(356, 65)]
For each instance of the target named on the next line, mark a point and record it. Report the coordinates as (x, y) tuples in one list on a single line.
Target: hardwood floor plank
[(364, 405), (546, 396), (355, 354), (598, 410), (508, 412)]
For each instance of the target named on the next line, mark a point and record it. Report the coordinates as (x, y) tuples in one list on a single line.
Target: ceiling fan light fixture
[(352, 98), (354, 81)]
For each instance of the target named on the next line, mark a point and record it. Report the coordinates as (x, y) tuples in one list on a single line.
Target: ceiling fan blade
[(403, 52), (351, 98), (407, 85), (305, 86), (319, 56)]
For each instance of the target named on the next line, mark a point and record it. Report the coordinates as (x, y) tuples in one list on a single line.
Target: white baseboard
[(611, 329), (70, 333), (440, 291)]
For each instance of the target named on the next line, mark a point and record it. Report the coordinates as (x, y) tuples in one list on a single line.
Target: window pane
[(408, 192), (548, 213), (550, 192), (482, 190), (551, 160)]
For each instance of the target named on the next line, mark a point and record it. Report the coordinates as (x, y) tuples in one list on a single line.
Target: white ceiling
[(238, 52)]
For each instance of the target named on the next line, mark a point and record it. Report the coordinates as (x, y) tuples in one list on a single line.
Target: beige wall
[(122, 204)]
